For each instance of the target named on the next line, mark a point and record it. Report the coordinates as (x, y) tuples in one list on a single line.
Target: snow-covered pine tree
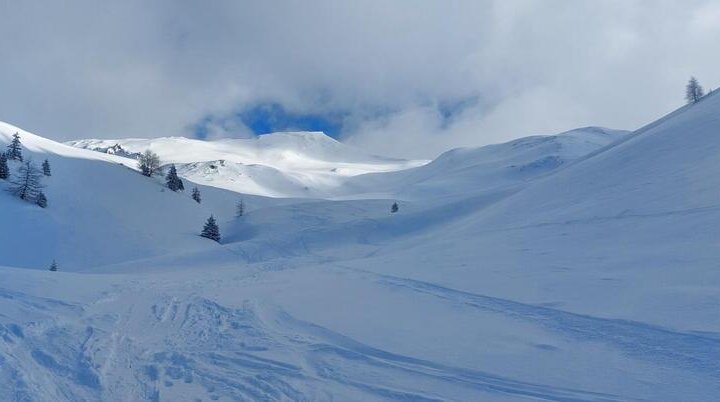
[(4, 169), (174, 183), (149, 163), (53, 266), (240, 209), (394, 208), (27, 184), (41, 200), (693, 91), (196, 195), (46, 168), (14, 151), (211, 230)]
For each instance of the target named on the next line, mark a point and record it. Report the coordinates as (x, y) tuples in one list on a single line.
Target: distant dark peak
[(118, 150)]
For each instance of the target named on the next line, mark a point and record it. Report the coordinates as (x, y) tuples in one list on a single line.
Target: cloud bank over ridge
[(398, 78)]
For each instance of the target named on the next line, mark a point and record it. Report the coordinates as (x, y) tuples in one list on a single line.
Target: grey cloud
[(141, 68)]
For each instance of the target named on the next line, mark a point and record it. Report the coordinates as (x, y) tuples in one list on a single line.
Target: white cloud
[(138, 68)]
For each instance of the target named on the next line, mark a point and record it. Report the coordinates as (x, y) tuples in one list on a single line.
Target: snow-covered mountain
[(487, 169), (297, 164), (105, 210), (576, 267), (313, 165)]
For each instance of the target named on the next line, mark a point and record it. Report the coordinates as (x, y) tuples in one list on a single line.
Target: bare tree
[(693, 91), (149, 163), (26, 184)]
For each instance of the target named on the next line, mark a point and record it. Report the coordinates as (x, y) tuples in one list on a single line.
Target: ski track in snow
[(267, 355), (659, 345), (341, 359)]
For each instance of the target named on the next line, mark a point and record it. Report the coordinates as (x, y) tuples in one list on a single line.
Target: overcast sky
[(407, 78)]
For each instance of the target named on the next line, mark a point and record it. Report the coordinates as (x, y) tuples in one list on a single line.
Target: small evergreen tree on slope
[(174, 183), (394, 208), (46, 168), (14, 151), (196, 195), (211, 230)]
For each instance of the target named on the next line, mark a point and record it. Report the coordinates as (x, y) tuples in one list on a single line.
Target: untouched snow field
[(576, 267)]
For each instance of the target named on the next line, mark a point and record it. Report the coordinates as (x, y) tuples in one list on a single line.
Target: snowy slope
[(617, 249), (313, 165), (99, 211), (620, 248), (298, 164), (645, 209), (490, 168), (578, 267)]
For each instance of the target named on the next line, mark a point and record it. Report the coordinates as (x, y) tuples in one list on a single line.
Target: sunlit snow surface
[(303, 164), (578, 267)]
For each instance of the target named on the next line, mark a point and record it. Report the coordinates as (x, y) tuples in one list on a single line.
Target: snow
[(300, 164), (100, 212), (575, 267), (487, 169)]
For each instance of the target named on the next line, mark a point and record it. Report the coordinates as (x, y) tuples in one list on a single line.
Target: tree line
[(26, 183)]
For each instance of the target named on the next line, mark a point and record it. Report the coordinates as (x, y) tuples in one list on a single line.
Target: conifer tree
[(4, 170), (211, 230), (53, 266), (240, 209), (14, 151), (196, 195), (41, 200), (174, 183), (693, 91), (27, 184), (46, 168), (394, 208)]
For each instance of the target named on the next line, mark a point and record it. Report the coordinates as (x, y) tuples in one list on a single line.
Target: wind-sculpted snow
[(185, 347), (153, 338)]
